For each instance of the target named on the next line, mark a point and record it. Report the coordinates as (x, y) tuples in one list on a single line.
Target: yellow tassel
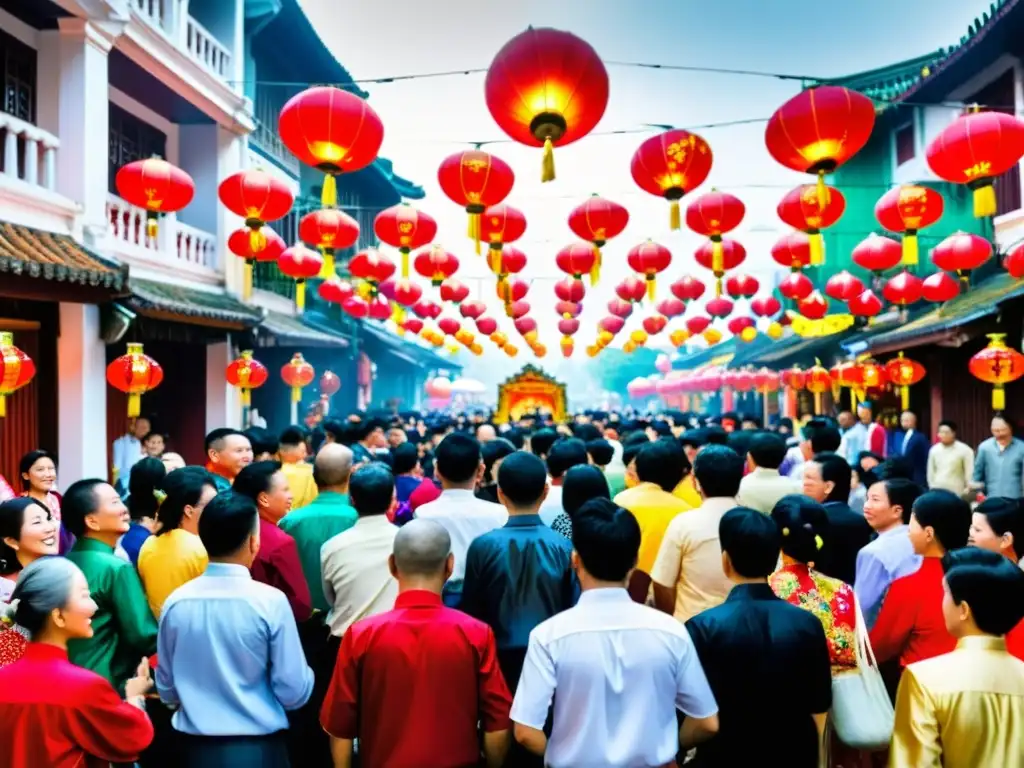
[(905, 397), (651, 287), (3, 406), (910, 253), (822, 191), (134, 406), (296, 394), (717, 256), (474, 230), (817, 245), (817, 403), (329, 193), (998, 398), (245, 398), (675, 220), (247, 280), (327, 271), (257, 240), (151, 225), (494, 260), (595, 271), (405, 263), (718, 287), (300, 295), (547, 169), (984, 201)]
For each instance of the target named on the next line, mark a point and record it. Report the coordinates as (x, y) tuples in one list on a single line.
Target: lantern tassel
[(257, 240), (817, 403), (547, 167), (717, 255), (474, 230), (327, 271), (300, 295), (998, 398), (984, 201), (718, 287), (822, 191), (651, 287), (595, 271), (151, 224), (3, 406), (910, 250), (494, 260), (405, 263), (675, 220), (817, 245), (134, 406), (247, 280), (296, 394), (245, 397), (329, 192), (905, 397)]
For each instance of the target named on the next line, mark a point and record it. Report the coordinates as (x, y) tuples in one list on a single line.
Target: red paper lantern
[(135, 373), (808, 209), (332, 130), (246, 373), (732, 255), (335, 290), (794, 378), (796, 286), (518, 309), (671, 307), (877, 254), (697, 324), (962, 252), (620, 307), (715, 213), (546, 87), (814, 307), (525, 326), (737, 325), (843, 286), (903, 372), (379, 308), (512, 290), (908, 209), (486, 325), (865, 304), (719, 307), (570, 290), (330, 384), (258, 197), (413, 325), (577, 260), (371, 265), (454, 291), (611, 324), (568, 308), (648, 259), (598, 221), (509, 261), (655, 324), (328, 229), (240, 244), (939, 288), (792, 250), (297, 373), (436, 264), (872, 376), (766, 306), (766, 380), (568, 326), (356, 306), (1014, 262), (427, 309), (300, 264), (16, 369), (500, 224), (819, 129), (407, 293), (405, 228), (475, 180), (998, 365), (670, 165), (903, 289), (631, 289), (687, 288), (741, 286), (155, 185), (472, 309), (975, 149)]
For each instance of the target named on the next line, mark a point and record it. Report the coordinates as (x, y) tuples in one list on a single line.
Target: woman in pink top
[(38, 470)]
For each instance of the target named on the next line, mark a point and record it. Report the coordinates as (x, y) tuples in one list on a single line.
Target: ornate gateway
[(531, 390)]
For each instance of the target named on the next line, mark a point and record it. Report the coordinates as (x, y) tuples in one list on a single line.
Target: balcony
[(170, 18), (28, 177)]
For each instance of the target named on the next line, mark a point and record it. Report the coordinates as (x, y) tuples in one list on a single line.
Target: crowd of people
[(441, 592)]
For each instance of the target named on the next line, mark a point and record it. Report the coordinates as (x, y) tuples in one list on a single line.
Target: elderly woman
[(52, 712)]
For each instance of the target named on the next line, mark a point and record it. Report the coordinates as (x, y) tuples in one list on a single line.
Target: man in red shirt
[(412, 684)]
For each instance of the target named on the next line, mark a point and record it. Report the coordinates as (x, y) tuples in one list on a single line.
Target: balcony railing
[(29, 153), (176, 244), (204, 48), (171, 18)]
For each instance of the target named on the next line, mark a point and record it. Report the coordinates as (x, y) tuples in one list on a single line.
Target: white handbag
[(862, 713)]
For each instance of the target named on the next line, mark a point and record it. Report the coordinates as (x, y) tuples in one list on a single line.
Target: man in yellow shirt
[(692, 441), (660, 467), (292, 453)]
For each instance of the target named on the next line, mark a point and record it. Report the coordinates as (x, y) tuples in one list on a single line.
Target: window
[(19, 78), (905, 143), (131, 139)]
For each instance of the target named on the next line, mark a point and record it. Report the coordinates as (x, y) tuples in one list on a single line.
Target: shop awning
[(215, 308), (278, 329), (34, 253)]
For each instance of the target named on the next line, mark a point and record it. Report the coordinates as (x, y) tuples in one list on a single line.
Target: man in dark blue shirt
[(766, 660), (521, 574)]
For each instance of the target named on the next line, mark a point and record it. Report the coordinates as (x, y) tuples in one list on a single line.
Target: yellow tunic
[(964, 709)]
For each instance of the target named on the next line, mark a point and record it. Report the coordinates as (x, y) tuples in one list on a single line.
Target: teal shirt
[(311, 526), (124, 629)]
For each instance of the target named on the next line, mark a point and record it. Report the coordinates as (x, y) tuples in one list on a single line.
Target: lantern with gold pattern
[(998, 365)]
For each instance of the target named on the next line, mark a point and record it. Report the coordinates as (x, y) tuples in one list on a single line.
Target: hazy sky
[(425, 120)]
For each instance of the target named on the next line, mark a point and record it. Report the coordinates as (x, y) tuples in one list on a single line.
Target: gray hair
[(421, 548), (42, 587)]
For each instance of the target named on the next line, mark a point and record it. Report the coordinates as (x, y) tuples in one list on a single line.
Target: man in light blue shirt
[(999, 467), (229, 656), (128, 452)]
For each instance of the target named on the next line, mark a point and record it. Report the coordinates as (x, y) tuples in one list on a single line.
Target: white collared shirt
[(354, 572), (552, 506), (762, 489), (618, 671), (465, 517)]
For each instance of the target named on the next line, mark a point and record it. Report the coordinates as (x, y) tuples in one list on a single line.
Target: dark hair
[(516, 436), (751, 540), (457, 458), (663, 463), (630, 452), (293, 435), (12, 520), (767, 449), (372, 489), (601, 451), (78, 502), (822, 436), (947, 515), (715, 435), (895, 469), (363, 429), (607, 539), (1005, 516), (228, 521), (145, 478), (580, 485), (262, 441), (491, 452), (522, 478), (28, 460), (541, 441), (990, 584), (739, 441), (404, 458), (869, 455), (950, 424), (639, 438), (835, 470), (182, 488), (565, 454), (215, 439), (719, 470), (256, 478), (154, 433), (695, 438), (801, 522), (334, 428), (586, 432), (902, 493)]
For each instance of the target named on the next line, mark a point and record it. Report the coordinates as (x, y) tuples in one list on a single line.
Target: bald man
[(485, 433), (325, 517), (443, 661)]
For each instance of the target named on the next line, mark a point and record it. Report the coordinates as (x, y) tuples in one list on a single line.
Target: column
[(81, 394), (232, 150), (223, 407)]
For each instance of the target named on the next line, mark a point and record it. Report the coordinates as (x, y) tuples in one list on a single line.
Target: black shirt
[(768, 665)]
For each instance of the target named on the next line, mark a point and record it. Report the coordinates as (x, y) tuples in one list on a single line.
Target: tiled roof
[(167, 299), (34, 253), (278, 328)]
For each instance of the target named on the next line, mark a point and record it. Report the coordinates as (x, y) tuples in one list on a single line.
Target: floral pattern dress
[(831, 600), (13, 638)]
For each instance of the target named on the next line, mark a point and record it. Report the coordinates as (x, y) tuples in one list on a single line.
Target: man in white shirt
[(950, 462), (128, 451), (563, 456), (618, 671), (459, 466), (764, 486)]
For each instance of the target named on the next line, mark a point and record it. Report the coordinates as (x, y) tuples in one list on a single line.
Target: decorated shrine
[(530, 391)]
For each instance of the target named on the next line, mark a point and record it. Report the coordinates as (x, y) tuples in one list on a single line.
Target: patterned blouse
[(562, 524), (13, 638), (829, 599)]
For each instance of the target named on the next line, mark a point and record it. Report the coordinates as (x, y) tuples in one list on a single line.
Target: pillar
[(232, 151), (223, 405), (81, 394)]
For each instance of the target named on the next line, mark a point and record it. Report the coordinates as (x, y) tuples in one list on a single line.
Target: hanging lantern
[(372, 266), (328, 230), (297, 373), (648, 260), (962, 252), (472, 309), (818, 130), (512, 290), (713, 215), (767, 381), (998, 365), (975, 149), (733, 254), (940, 288), (766, 306), (908, 209), (16, 369), (427, 309), (330, 384), (413, 325), (877, 254), (577, 260), (805, 209), (1014, 262), (134, 373), (792, 251), (620, 307), (843, 286), (774, 331), (379, 308), (356, 306), (697, 324), (546, 87), (654, 324), (406, 228), (864, 304), (795, 378), (687, 288), (904, 373), (476, 181), (335, 290), (741, 286), (796, 286), (570, 290), (246, 373), (737, 325), (904, 289), (611, 324), (300, 264), (872, 375), (818, 383), (518, 309), (240, 244), (719, 307), (598, 221), (500, 224), (407, 293), (631, 289), (435, 264), (508, 261), (156, 186), (454, 291), (488, 326), (333, 131), (568, 308), (670, 165), (814, 307), (671, 307)]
